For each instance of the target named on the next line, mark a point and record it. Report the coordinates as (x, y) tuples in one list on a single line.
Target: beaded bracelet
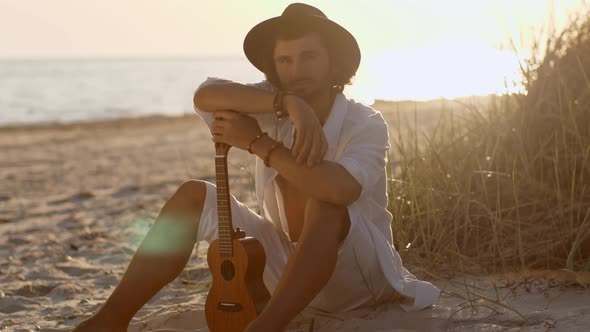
[(255, 139), (267, 157)]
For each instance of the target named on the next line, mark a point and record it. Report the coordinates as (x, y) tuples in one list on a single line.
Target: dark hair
[(296, 31)]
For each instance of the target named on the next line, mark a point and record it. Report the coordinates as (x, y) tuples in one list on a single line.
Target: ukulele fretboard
[(225, 227)]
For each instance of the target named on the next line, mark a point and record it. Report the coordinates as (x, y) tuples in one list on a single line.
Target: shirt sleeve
[(364, 154), (264, 119)]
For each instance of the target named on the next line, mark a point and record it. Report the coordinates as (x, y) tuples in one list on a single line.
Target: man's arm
[(358, 168), (217, 95), (233, 96), (328, 181)]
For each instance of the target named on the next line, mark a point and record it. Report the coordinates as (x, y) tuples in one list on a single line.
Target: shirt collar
[(333, 124)]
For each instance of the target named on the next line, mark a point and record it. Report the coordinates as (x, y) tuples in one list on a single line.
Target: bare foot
[(93, 324)]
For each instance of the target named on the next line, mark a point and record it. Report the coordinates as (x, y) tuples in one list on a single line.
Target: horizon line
[(117, 57)]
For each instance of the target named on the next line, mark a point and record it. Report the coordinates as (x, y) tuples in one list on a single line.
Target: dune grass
[(503, 187)]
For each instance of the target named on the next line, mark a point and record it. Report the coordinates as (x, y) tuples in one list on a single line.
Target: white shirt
[(358, 140)]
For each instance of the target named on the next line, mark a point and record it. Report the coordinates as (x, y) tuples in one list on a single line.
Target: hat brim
[(260, 41)]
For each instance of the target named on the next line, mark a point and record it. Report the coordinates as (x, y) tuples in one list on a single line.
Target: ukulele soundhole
[(227, 270)]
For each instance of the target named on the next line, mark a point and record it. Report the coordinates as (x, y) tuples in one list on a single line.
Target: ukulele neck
[(225, 227)]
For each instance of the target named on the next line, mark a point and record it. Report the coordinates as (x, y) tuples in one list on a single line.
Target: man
[(322, 186)]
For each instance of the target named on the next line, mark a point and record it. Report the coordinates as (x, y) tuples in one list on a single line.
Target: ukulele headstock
[(221, 149)]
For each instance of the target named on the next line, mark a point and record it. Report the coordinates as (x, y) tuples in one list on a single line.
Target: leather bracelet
[(278, 104), (255, 139), (267, 157)]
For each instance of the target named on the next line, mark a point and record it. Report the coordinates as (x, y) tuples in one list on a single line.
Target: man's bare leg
[(160, 258), (309, 267)]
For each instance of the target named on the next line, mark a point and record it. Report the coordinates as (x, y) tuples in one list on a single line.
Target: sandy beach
[(76, 200)]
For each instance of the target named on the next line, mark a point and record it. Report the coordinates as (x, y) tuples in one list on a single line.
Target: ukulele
[(236, 262)]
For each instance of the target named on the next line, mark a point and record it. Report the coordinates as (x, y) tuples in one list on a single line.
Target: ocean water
[(70, 90)]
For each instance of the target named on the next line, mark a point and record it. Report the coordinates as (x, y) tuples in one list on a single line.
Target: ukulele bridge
[(229, 306)]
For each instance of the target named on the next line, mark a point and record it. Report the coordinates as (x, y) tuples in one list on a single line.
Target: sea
[(62, 90), (87, 89)]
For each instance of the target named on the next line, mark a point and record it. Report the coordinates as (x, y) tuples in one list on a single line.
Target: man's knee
[(327, 216), (193, 192), (177, 217)]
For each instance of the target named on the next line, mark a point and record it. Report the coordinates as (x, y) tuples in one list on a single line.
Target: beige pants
[(357, 279)]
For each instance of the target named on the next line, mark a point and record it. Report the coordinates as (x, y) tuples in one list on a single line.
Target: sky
[(420, 42)]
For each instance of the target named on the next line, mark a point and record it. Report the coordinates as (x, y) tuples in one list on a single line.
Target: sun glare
[(453, 48), (451, 70)]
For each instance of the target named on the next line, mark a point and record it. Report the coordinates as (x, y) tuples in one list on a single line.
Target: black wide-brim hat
[(260, 41)]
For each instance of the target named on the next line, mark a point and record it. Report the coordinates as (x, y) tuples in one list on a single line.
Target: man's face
[(303, 65)]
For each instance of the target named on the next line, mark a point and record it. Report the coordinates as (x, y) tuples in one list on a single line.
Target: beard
[(308, 90)]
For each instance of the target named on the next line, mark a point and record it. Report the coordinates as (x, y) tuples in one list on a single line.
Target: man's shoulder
[(361, 113), (364, 125)]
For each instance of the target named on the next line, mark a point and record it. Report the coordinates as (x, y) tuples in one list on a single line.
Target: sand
[(76, 200)]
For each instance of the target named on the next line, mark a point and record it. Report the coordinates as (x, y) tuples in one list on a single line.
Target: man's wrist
[(253, 141), (262, 145), (291, 103), (265, 146)]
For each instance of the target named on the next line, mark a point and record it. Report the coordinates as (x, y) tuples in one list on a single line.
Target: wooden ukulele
[(236, 262)]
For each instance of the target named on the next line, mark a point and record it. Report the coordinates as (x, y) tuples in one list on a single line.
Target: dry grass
[(505, 187)]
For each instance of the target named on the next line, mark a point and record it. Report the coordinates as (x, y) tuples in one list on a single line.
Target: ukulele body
[(238, 293)]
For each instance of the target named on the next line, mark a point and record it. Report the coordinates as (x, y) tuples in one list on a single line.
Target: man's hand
[(310, 144), (233, 128)]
